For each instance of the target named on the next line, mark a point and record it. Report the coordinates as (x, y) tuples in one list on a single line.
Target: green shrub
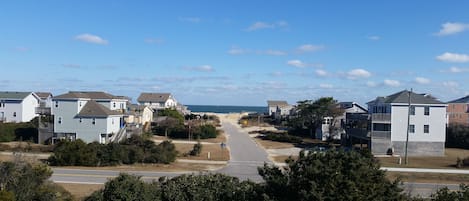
[(130, 151), (17, 131), (196, 150), (279, 137), (457, 136), (205, 132)]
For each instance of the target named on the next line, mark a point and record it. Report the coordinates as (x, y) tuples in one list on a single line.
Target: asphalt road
[(245, 155)]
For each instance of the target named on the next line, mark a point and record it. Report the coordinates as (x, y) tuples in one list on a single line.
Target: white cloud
[(274, 52), (451, 28), (455, 69), (265, 25), (309, 48), (154, 40), (358, 73), (451, 84), (371, 84), (422, 80), (237, 51), (320, 72), (203, 68), (326, 86), (89, 38), (392, 83), (453, 57), (190, 19), (296, 63), (374, 38)]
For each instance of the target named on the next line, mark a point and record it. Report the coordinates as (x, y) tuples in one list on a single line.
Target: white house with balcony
[(18, 106), (157, 101), (427, 124), (90, 116), (338, 123), (278, 108)]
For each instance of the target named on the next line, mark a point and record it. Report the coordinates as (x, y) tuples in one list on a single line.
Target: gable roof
[(461, 100), (43, 95), (94, 109), (96, 95), (14, 95), (403, 97), (153, 97), (275, 103), (347, 105)]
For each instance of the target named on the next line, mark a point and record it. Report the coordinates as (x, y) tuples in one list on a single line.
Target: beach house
[(458, 111), (279, 108), (90, 116), (157, 101), (423, 116), (18, 106)]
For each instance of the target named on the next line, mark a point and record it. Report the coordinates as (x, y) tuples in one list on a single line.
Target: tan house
[(139, 114), (458, 111)]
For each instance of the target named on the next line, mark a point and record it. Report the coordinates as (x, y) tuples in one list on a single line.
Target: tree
[(444, 194), (330, 175), (24, 181), (457, 136), (172, 113), (170, 123), (310, 114)]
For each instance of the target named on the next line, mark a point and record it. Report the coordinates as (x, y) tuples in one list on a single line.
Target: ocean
[(226, 109)]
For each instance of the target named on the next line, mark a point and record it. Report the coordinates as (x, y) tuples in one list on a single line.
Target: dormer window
[(114, 105), (56, 103), (94, 121)]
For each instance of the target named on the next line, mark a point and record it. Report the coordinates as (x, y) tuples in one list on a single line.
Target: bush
[(196, 150), (462, 163), (17, 131), (205, 132), (279, 137), (130, 151)]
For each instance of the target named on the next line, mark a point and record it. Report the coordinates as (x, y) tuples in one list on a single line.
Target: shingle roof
[(43, 95), (153, 97), (133, 108), (94, 109), (461, 100), (273, 103), (13, 95), (402, 97), (96, 95)]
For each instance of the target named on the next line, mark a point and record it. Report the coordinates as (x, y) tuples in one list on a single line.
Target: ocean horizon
[(227, 108)]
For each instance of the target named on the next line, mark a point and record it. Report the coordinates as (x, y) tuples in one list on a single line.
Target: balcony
[(43, 110), (381, 117), (358, 132), (381, 134)]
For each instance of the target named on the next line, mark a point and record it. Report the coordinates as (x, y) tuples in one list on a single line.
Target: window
[(426, 128), (94, 121), (381, 127), (80, 120), (114, 105), (56, 103), (14, 114), (60, 120), (411, 128), (427, 110), (412, 110), (80, 104)]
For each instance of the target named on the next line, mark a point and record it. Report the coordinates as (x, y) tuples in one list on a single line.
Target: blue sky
[(237, 52)]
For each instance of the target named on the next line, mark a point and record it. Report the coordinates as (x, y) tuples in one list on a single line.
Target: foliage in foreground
[(24, 181), (209, 187), (133, 150), (445, 194)]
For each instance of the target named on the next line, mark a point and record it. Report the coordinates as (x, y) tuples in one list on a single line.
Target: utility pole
[(408, 128)]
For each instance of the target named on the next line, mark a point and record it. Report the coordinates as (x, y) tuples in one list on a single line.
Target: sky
[(237, 52)]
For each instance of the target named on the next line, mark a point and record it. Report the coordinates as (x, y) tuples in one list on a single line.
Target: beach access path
[(245, 155)]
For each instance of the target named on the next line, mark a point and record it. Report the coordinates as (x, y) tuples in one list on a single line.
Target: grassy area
[(220, 138), (429, 177), (447, 161), (216, 153), (281, 159), (25, 146), (268, 144), (81, 191)]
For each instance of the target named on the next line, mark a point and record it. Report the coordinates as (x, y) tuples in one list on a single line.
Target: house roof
[(274, 103), (461, 100), (96, 95), (133, 108), (153, 97), (94, 109), (347, 105), (14, 95), (43, 95), (402, 97)]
